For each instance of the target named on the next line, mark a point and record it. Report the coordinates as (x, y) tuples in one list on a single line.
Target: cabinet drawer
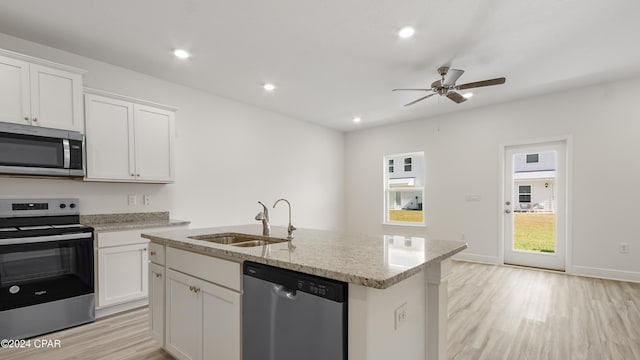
[(156, 253), (219, 271), (119, 238)]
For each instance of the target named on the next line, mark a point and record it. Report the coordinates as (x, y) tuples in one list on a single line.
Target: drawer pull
[(158, 275), (153, 253)]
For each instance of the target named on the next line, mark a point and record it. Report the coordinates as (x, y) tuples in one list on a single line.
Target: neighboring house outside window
[(534, 180), (404, 189)]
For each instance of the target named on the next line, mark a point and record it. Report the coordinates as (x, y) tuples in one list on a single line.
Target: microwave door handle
[(67, 153)]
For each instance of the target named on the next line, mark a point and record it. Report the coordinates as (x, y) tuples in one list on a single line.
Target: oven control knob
[(62, 206), (72, 205), (14, 289)]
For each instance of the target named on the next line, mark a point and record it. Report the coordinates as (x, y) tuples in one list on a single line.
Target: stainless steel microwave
[(32, 150)]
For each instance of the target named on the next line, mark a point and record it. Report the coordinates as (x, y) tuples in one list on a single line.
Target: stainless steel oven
[(46, 267), (33, 150)]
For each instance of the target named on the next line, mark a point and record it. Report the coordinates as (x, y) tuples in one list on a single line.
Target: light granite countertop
[(130, 221), (368, 260)]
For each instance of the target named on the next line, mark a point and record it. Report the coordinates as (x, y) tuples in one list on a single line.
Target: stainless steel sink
[(240, 240)]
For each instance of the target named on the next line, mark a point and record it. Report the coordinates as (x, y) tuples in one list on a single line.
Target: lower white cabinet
[(122, 274), (203, 319), (156, 305)]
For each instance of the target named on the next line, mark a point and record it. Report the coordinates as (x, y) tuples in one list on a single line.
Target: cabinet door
[(156, 302), (122, 274), (154, 129), (14, 91), (183, 317), (56, 98), (221, 327), (109, 138)]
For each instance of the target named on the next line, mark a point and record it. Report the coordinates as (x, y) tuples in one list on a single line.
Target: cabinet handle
[(145, 249), (191, 288), (138, 175), (158, 275), (132, 175), (196, 289), (35, 119), (26, 118), (152, 253)]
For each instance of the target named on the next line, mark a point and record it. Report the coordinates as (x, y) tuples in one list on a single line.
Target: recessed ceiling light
[(269, 87), (356, 119), (406, 32), (467, 95), (181, 54)]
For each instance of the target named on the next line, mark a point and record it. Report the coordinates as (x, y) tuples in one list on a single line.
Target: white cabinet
[(128, 140), (202, 304), (122, 274), (156, 302), (203, 319), (40, 93)]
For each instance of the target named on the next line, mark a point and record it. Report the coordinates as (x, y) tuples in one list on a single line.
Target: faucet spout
[(290, 228), (264, 217)]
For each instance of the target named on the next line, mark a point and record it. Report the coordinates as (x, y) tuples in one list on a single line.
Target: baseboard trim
[(484, 259), (600, 273), (110, 310)]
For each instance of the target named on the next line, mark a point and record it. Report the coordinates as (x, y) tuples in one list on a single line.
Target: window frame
[(390, 193)]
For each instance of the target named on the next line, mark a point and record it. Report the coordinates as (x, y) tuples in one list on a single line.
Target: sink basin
[(240, 240)]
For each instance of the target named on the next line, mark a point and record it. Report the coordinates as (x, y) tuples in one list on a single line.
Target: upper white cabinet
[(128, 139), (40, 93)]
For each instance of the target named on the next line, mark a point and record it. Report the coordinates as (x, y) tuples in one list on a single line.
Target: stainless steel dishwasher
[(289, 315)]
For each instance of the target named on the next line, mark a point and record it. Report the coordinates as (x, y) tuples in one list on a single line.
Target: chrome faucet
[(290, 228), (264, 217)]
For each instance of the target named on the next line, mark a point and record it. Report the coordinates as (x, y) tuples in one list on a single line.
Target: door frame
[(568, 190)]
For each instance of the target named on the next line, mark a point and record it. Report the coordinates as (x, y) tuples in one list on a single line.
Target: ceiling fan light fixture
[(406, 32), (181, 54), (467, 95)]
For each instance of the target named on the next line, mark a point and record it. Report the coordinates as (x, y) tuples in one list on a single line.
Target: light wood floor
[(498, 312), (495, 312)]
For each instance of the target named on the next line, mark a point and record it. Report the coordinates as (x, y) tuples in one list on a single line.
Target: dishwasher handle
[(283, 292)]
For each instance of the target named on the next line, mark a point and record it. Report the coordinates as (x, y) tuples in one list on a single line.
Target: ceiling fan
[(447, 85)]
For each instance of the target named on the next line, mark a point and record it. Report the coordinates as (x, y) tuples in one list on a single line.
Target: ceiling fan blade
[(498, 81), (456, 97), (452, 76), (412, 90), (422, 98)]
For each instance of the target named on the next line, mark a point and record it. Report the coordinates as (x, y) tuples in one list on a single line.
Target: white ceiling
[(332, 60)]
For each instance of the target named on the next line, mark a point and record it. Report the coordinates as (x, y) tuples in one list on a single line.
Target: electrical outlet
[(132, 199), (624, 248), (400, 316), (146, 199)]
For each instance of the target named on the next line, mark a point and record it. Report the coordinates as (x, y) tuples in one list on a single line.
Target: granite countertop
[(368, 260), (130, 221)]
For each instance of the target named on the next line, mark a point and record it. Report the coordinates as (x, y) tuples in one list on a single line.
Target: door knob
[(508, 211)]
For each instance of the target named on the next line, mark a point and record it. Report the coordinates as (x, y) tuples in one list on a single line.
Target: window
[(524, 193), (407, 164), (404, 189), (532, 158)]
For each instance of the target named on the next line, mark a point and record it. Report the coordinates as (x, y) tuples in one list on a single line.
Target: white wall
[(461, 158), (228, 156)]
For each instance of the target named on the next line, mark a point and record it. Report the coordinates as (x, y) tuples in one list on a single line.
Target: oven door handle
[(45, 238)]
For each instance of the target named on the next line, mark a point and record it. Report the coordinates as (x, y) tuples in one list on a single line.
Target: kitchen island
[(397, 302)]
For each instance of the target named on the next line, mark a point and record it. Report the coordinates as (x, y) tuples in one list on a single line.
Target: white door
[(221, 322), (122, 274), (154, 133), (183, 317), (56, 98), (156, 302), (14, 91), (534, 205), (109, 138)]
